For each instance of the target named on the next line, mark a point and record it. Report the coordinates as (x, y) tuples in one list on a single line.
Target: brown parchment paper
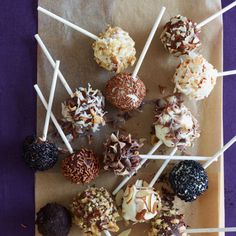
[(77, 65)]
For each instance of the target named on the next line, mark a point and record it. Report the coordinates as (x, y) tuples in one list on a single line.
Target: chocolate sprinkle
[(189, 180), (39, 155)]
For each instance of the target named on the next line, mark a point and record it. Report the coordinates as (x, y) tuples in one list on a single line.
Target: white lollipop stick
[(107, 233), (220, 152), (210, 230), (127, 178), (49, 57), (225, 73), (162, 168), (54, 120), (176, 158), (73, 26), (50, 101), (209, 19), (148, 42)]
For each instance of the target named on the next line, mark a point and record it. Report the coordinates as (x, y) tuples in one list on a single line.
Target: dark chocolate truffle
[(54, 220), (189, 180), (39, 155), (180, 36), (125, 92), (81, 167), (94, 211), (121, 154)]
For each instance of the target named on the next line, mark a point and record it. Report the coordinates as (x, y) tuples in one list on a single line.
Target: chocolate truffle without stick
[(53, 220)]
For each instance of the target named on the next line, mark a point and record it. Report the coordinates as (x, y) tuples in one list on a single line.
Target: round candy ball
[(81, 167), (54, 220), (180, 36), (39, 155), (124, 92), (189, 180), (114, 50), (195, 77)]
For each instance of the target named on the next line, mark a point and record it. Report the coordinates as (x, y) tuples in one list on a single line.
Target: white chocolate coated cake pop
[(195, 77)]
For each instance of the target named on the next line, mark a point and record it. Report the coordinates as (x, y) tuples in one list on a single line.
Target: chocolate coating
[(39, 155), (81, 167), (124, 92), (54, 220), (121, 154), (189, 180)]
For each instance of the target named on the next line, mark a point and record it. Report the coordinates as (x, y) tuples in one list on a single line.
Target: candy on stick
[(113, 50), (181, 35), (54, 219), (80, 166), (94, 211), (121, 154), (126, 91), (39, 153), (196, 77), (189, 179)]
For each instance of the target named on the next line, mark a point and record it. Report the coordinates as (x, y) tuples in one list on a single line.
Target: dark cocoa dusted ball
[(124, 92), (121, 154), (39, 155), (189, 180), (54, 220), (81, 167)]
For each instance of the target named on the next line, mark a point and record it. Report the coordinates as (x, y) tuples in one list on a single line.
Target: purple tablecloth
[(18, 24)]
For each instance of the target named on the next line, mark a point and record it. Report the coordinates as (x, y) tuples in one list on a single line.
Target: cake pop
[(126, 91), (113, 50), (80, 167), (181, 35), (53, 219), (121, 154), (140, 203), (94, 211), (39, 153), (85, 110)]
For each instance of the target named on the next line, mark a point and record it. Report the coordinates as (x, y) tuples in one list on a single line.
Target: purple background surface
[(18, 24)]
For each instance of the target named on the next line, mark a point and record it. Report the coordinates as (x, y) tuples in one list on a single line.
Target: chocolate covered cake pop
[(189, 180), (121, 154), (114, 50), (140, 203), (54, 220), (195, 77), (39, 155), (180, 36), (85, 110), (94, 211), (168, 223), (81, 167), (174, 124), (125, 92)]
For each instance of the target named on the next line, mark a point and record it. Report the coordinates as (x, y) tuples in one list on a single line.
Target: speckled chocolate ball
[(39, 155), (54, 220), (180, 36), (124, 92), (81, 167), (189, 180)]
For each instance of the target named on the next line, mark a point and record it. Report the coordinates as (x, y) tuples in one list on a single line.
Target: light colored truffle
[(195, 77), (114, 50)]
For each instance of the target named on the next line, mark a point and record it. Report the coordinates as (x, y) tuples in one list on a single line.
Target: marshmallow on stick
[(196, 77), (189, 178), (126, 91), (75, 167), (113, 49), (39, 153), (181, 35)]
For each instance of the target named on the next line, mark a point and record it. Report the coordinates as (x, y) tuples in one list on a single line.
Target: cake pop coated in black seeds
[(39, 155), (189, 180), (54, 220)]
